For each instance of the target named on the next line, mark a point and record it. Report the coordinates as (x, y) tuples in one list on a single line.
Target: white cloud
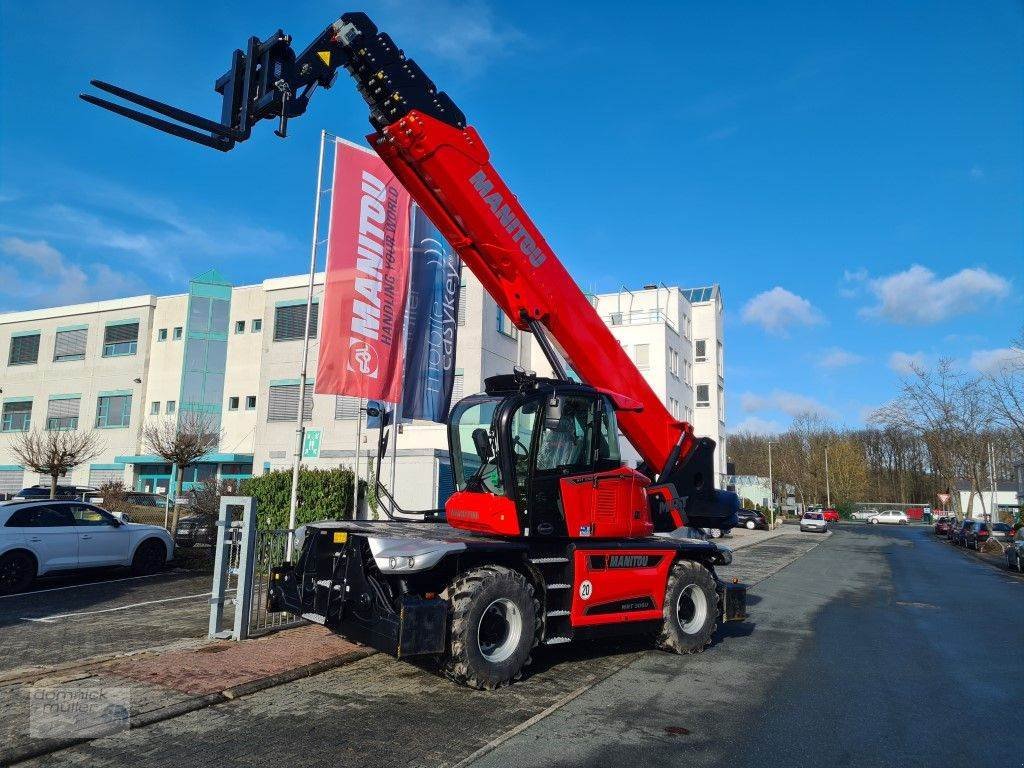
[(757, 426), (790, 403), (466, 34), (778, 309), (48, 277), (838, 358), (917, 296), (996, 360), (904, 363)]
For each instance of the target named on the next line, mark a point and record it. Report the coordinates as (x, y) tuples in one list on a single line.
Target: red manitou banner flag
[(361, 325)]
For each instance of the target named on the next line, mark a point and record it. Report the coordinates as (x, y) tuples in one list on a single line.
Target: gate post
[(246, 565), (220, 568)]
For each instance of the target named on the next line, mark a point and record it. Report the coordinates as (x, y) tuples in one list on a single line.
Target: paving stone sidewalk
[(158, 685)]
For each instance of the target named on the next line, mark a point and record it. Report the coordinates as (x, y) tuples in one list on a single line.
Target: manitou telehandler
[(549, 536)]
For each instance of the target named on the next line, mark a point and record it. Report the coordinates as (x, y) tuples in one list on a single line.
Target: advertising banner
[(433, 324), (363, 313)]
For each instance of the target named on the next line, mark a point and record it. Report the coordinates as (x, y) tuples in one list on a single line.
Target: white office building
[(234, 354)]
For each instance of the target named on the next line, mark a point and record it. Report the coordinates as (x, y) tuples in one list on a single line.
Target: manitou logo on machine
[(509, 221), (374, 302)]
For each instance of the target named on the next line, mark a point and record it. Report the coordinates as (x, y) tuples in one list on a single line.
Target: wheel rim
[(691, 609), (499, 630), (750, 524), (13, 572)]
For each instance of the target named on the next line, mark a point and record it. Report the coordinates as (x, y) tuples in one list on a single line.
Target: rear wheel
[(494, 626), (149, 557), (17, 572), (691, 609)]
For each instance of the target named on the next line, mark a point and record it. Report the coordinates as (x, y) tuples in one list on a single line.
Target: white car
[(889, 517), (813, 521), (41, 537), (864, 514)]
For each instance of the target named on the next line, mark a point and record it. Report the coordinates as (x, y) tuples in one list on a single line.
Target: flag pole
[(405, 345), (300, 429), (355, 468)]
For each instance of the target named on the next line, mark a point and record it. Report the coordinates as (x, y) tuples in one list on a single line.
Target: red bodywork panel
[(482, 512), (617, 585), (448, 173), (607, 505)]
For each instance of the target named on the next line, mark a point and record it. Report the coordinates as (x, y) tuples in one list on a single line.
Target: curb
[(197, 703)]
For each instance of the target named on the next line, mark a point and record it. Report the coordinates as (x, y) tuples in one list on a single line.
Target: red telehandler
[(549, 536)]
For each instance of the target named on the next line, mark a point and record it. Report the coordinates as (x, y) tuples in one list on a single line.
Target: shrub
[(846, 510), (115, 497), (204, 499), (323, 494)]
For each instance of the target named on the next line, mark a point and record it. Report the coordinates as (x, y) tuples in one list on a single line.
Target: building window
[(642, 356), (462, 305), (721, 405), (70, 345), (177, 333), (721, 368), (290, 321), (171, 407), (154, 408), (346, 408), (113, 411), (250, 402), (256, 325), (62, 413), (232, 403), (161, 335), (505, 326), (700, 352), (121, 339), (673, 362), (703, 396), (458, 385), (24, 349), (283, 403), (239, 326), (17, 416)]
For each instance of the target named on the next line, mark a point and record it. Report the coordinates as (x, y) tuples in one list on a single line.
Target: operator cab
[(540, 457)]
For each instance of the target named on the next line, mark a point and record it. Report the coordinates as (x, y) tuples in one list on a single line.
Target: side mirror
[(553, 413), (482, 443)]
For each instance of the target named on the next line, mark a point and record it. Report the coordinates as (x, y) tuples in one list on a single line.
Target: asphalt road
[(866, 648), (74, 617)]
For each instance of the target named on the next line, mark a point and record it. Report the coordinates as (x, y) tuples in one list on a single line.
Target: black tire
[(17, 572), (494, 625), (149, 557), (691, 609)]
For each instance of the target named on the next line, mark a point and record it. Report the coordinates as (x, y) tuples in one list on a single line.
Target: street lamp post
[(828, 488), (771, 484)]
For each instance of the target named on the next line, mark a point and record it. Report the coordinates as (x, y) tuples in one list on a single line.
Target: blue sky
[(851, 174)]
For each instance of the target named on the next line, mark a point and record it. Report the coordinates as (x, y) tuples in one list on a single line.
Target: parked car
[(981, 532), (39, 538), (144, 507), (813, 521), (831, 515), (943, 524), (959, 536), (62, 492), (864, 514), (1015, 552), (196, 529), (752, 518), (889, 517)]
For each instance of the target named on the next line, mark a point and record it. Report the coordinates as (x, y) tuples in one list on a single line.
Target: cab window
[(608, 454), (567, 435)]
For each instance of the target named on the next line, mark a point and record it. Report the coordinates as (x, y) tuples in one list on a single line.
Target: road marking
[(91, 584), (51, 619)]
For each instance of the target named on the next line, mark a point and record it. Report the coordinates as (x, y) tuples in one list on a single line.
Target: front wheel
[(17, 572), (751, 525), (873, 522), (690, 613), (149, 558), (494, 626)]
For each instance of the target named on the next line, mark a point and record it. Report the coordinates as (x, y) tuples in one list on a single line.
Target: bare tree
[(180, 442), (55, 452), (1005, 384)]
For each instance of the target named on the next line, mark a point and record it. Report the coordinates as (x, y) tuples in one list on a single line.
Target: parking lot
[(833, 622)]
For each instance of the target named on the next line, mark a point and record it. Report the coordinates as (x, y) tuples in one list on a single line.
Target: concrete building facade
[(233, 353)]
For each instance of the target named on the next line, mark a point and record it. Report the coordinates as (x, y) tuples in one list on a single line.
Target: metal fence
[(243, 559)]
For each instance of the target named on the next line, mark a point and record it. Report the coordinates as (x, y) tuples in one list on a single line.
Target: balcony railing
[(639, 317)]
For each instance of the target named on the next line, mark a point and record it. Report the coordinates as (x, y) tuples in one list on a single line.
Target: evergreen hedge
[(323, 494)]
